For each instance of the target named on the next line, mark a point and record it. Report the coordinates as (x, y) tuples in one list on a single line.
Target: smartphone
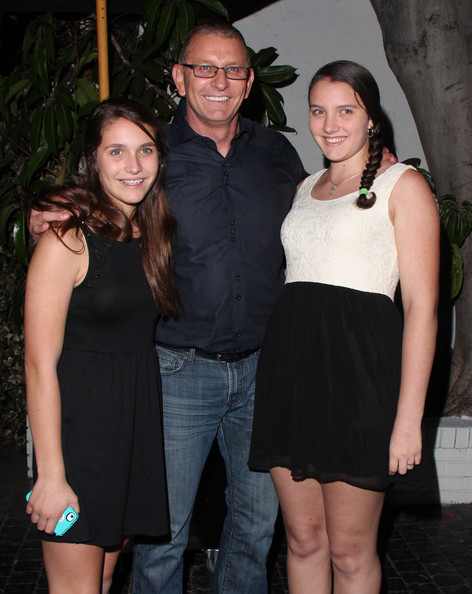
[(66, 521)]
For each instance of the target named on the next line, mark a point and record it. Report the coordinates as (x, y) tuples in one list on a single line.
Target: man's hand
[(39, 221), (388, 156)]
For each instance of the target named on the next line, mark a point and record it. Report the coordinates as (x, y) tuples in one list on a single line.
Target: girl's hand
[(405, 448), (47, 503)]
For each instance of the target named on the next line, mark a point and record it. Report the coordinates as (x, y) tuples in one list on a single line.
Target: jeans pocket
[(170, 362)]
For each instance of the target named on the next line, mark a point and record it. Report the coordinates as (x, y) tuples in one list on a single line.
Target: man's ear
[(178, 76), (250, 80)]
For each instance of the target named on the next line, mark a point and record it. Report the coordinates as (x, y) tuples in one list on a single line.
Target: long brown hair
[(88, 204), (365, 88)]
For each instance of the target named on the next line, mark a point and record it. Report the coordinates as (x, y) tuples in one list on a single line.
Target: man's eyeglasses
[(209, 71)]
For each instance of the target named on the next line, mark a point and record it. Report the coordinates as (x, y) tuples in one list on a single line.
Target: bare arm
[(416, 224), (53, 272)]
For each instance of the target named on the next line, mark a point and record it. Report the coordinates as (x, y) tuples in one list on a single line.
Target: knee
[(305, 541), (351, 559)]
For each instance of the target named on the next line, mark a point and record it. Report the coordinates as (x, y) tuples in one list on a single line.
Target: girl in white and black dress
[(341, 383)]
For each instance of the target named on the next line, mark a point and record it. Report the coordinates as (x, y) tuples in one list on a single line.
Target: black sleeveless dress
[(111, 400)]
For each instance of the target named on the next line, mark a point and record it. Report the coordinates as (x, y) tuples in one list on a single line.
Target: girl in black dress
[(96, 284)]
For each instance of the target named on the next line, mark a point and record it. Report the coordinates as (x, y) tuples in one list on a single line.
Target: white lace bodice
[(334, 242)]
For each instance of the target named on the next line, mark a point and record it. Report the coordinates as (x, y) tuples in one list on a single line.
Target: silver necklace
[(334, 186)]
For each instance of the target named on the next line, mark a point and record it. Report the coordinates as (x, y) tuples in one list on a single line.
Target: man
[(230, 183)]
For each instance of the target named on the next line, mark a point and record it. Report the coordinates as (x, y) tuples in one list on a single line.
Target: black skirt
[(327, 385)]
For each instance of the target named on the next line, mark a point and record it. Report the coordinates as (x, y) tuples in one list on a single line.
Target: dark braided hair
[(366, 90)]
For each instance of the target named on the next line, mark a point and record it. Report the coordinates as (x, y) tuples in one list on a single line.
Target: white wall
[(311, 33)]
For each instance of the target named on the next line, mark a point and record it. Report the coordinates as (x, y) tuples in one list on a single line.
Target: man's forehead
[(209, 43)]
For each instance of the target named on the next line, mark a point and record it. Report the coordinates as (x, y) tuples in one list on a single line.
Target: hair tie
[(363, 191)]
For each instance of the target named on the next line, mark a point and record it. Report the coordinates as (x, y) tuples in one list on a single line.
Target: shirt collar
[(182, 132)]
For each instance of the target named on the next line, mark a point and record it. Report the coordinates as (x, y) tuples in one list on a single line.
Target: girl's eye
[(147, 150), (116, 151), (346, 111), (316, 111)]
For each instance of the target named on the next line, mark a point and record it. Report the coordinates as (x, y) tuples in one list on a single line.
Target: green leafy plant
[(456, 220), (44, 105)]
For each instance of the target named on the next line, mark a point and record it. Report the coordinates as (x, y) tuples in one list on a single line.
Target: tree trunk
[(428, 44)]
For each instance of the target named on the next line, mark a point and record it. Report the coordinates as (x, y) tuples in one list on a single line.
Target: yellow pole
[(102, 46)]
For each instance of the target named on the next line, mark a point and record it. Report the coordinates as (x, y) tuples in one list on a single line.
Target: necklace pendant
[(331, 192)]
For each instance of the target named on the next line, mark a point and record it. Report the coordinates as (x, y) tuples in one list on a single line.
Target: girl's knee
[(351, 560), (305, 542)]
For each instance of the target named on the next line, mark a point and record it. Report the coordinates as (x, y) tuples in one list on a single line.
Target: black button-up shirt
[(228, 257)]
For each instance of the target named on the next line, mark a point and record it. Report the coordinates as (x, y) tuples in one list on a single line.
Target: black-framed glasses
[(209, 71)]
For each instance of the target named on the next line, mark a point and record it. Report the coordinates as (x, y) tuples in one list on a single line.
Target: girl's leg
[(109, 562), (73, 568), (352, 521), (308, 558), (78, 568)]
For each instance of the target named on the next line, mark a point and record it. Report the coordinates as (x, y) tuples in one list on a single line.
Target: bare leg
[(109, 562), (308, 556), (78, 568), (352, 521), (73, 568)]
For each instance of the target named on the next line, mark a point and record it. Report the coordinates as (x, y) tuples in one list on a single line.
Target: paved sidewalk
[(423, 550)]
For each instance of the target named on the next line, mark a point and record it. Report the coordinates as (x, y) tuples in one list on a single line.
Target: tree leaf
[(456, 218), (274, 104), (64, 95), (153, 71), (457, 271), (174, 43), (151, 17), (50, 129), (414, 161), (19, 239), (185, 20), (5, 213), (264, 57), (36, 161), (86, 92), (65, 120), (16, 88), (29, 38), (216, 7), (137, 84), (86, 59), (166, 22), (49, 45), (35, 128), (275, 74)]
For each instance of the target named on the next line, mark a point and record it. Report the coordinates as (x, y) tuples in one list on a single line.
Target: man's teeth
[(217, 98), (131, 182)]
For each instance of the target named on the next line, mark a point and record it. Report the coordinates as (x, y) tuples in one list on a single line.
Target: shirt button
[(232, 231), (231, 222), (227, 182), (238, 297), (233, 239), (238, 277)]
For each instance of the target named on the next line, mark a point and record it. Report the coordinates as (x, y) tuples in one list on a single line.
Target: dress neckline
[(344, 195)]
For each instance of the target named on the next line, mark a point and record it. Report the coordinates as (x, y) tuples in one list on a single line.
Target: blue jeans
[(202, 399)]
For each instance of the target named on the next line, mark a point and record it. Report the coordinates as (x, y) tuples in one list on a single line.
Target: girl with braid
[(342, 381)]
